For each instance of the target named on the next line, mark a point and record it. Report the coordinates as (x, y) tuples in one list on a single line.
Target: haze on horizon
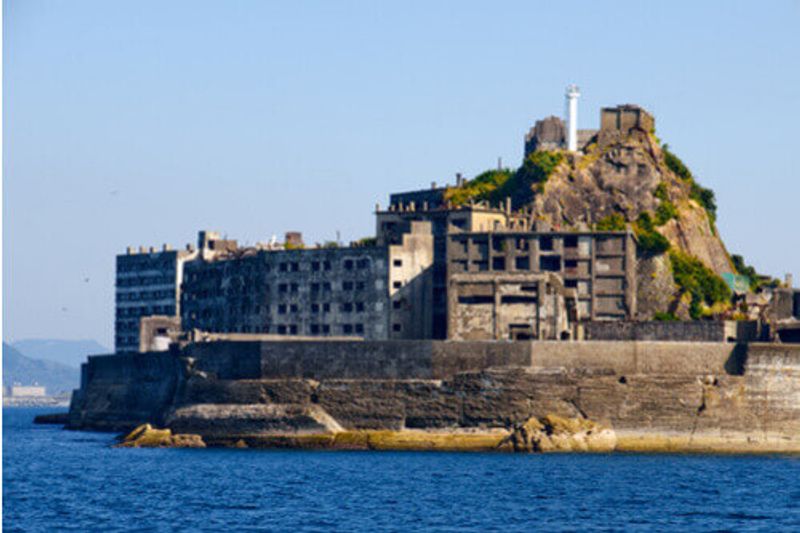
[(139, 123)]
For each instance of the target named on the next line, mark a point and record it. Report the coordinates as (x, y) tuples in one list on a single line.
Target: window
[(283, 287), (550, 263), (283, 267), (397, 284), (498, 263), (282, 309), (315, 308), (346, 307), (348, 264), (359, 307), (546, 243), (326, 329), (314, 329), (315, 266), (315, 287), (362, 264), (347, 286), (397, 262), (472, 300), (293, 329), (281, 330), (326, 308), (523, 263), (293, 287), (571, 241), (397, 327), (360, 328), (326, 265), (360, 285), (397, 304), (295, 267), (347, 329), (293, 308)]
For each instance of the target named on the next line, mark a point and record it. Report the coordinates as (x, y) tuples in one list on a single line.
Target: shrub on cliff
[(612, 222), (479, 188), (650, 242), (703, 196), (497, 185), (704, 286)]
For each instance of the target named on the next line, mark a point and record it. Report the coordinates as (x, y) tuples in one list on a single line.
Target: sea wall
[(697, 396)]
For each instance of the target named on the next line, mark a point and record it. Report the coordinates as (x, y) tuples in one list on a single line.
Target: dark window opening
[(518, 299), (545, 243), (523, 263), (471, 300), (550, 263), (498, 263)]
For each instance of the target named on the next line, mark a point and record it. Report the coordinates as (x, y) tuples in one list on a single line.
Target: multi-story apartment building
[(148, 284), (430, 205), (374, 292), (600, 265)]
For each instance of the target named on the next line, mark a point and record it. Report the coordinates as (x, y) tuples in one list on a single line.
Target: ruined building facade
[(374, 292)]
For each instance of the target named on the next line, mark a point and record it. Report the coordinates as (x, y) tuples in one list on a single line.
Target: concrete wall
[(695, 331)]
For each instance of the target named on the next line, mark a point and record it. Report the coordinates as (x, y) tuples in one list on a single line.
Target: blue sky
[(139, 122)]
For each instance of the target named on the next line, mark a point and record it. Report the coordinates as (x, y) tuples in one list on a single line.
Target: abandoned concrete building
[(147, 283), (403, 210), (510, 306), (374, 292), (615, 123), (600, 266)]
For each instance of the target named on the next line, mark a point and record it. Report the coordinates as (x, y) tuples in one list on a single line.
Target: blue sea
[(57, 480)]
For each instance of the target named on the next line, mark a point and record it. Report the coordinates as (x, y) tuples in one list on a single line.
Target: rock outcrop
[(146, 436)]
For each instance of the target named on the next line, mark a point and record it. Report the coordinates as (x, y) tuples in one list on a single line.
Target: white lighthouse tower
[(572, 117)]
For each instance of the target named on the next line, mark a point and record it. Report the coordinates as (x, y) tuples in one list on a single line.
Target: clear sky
[(140, 122)]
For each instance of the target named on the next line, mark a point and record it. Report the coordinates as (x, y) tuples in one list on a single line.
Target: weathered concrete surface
[(640, 396)]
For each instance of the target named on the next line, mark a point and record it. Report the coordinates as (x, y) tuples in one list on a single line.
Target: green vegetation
[(479, 188), (366, 241), (756, 280), (497, 185), (612, 222), (650, 241), (665, 212), (705, 287), (703, 196), (675, 164)]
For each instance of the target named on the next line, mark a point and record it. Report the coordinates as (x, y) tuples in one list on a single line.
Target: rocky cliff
[(516, 396), (624, 180)]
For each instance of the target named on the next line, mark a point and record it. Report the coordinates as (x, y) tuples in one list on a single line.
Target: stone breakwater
[(515, 396)]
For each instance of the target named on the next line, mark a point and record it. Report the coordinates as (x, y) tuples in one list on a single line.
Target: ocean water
[(56, 480)]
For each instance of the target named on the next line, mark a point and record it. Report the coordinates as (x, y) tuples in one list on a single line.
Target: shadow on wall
[(735, 364), (412, 308)]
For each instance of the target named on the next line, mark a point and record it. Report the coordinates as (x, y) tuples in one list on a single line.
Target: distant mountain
[(56, 377), (70, 353)]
